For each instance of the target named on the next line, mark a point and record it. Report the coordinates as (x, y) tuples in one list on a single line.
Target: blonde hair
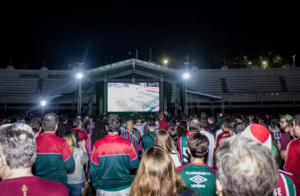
[(70, 137), (157, 175), (164, 140)]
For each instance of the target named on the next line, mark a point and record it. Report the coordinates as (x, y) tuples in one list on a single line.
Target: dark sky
[(95, 32)]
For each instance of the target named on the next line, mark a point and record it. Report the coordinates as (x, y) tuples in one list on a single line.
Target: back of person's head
[(203, 115), (156, 175), (238, 127), (129, 124), (27, 120), (181, 128), (173, 133), (17, 147), (36, 124), (87, 125), (75, 123), (245, 167), (50, 122), (226, 123), (64, 119), (194, 125), (211, 119), (202, 123), (198, 145), (151, 125), (113, 123), (164, 140), (70, 137), (272, 125)]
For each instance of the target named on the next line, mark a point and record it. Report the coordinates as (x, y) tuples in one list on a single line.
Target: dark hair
[(226, 123), (198, 145), (181, 129), (50, 121), (100, 130), (173, 133), (36, 124), (87, 124), (211, 118), (151, 123), (194, 125), (273, 124), (76, 123), (238, 128), (203, 123), (297, 120), (64, 118), (113, 123), (246, 121)]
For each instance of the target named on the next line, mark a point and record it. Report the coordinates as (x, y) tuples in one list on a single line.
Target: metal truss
[(109, 67)]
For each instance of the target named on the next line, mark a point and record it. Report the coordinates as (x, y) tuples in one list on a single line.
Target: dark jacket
[(62, 128), (213, 128)]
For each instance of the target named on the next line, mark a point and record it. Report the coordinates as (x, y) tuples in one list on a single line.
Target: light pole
[(79, 77), (185, 77), (43, 104)]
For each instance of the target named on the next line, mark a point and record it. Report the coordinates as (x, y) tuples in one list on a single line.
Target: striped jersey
[(277, 135), (285, 185), (54, 158), (183, 148), (134, 136)]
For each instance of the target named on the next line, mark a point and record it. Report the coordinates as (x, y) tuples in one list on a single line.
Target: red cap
[(161, 115)]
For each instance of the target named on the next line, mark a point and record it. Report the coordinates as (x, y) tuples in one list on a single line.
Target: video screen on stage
[(133, 97)]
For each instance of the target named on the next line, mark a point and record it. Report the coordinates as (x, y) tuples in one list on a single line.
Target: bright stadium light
[(250, 63), (79, 75), (166, 61), (264, 62), (43, 103), (186, 76)]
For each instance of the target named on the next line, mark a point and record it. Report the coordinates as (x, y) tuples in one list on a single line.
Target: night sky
[(96, 32)]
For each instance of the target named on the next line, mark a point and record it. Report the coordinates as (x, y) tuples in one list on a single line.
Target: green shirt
[(148, 140), (199, 177)]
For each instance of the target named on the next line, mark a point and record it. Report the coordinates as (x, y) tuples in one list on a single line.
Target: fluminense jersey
[(216, 136), (277, 135), (285, 185), (141, 127), (183, 148), (224, 134), (111, 161), (134, 136), (199, 177), (54, 158), (211, 147)]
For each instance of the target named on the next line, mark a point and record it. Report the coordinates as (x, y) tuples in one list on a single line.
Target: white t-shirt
[(175, 158), (77, 176), (211, 147), (140, 127), (217, 134)]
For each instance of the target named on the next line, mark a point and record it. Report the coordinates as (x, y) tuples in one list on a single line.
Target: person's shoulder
[(52, 187), (180, 168), (295, 143)]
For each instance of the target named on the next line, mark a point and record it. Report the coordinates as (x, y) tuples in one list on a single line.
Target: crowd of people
[(150, 155)]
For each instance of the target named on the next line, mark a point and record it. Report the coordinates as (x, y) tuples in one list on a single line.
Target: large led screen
[(133, 97)]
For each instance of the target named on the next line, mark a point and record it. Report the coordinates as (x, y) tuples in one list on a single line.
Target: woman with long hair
[(182, 129), (157, 176), (100, 130), (163, 139), (76, 180), (174, 136)]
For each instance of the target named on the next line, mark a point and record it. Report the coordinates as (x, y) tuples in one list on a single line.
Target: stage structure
[(205, 89)]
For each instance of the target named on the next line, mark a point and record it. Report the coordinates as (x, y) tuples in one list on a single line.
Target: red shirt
[(32, 186), (292, 163), (224, 134), (163, 125), (285, 140), (82, 135)]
